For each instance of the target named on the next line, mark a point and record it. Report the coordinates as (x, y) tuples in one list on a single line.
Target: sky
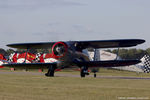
[(63, 20)]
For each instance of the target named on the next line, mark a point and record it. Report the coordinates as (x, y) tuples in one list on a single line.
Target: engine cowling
[(59, 49)]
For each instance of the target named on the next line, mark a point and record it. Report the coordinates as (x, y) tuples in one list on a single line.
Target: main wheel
[(51, 71), (95, 75), (82, 74)]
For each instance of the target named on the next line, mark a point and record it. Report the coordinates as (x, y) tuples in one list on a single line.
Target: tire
[(95, 75), (51, 71), (82, 74)]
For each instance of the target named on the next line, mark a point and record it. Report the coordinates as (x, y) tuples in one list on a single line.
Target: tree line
[(132, 53)]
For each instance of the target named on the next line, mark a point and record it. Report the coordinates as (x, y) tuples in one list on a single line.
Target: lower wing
[(29, 65), (110, 63)]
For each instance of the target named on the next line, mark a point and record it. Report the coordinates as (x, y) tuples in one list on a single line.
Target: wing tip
[(140, 41)]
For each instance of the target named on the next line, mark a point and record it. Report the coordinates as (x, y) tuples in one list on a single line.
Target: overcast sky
[(57, 20)]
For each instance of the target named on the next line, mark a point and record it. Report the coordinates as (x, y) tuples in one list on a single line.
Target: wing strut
[(117, 54), (26, 55), (97, 57)]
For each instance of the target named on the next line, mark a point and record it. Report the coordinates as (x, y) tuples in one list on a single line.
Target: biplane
[(66, 54)]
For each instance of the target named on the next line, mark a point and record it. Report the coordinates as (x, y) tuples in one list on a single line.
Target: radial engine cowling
[(59, 49)]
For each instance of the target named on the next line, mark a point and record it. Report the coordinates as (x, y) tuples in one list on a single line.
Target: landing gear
[(95, 70), (84, 71), (82, 74), (51, 71), (95, 75)]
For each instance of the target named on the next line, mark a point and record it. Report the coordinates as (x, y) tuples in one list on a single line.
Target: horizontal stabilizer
[(110, 63)]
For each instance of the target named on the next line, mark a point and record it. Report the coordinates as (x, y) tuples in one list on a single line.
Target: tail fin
[(146, 62)]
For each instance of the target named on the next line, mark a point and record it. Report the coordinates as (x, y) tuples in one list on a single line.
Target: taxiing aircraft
[(69, 53)]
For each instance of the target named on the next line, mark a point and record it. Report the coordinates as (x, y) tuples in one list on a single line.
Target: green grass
[(37, 87)]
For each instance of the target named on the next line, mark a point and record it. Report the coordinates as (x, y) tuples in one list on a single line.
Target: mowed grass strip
[(38, 87)]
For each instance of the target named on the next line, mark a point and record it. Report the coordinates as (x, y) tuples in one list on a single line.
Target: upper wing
[(110, 43), (32, 45), (29, 65), (83, 44), (110, 63)]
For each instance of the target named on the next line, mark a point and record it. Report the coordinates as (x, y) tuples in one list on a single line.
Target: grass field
[(38, 87)]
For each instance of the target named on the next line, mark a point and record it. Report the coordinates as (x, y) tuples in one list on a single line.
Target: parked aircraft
[(69, 53), (20, 57), (2, 58)]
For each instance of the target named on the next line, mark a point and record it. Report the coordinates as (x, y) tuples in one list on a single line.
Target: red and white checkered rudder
[(48, 58)]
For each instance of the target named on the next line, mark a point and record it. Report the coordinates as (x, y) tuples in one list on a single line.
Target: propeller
[(59, 49)]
